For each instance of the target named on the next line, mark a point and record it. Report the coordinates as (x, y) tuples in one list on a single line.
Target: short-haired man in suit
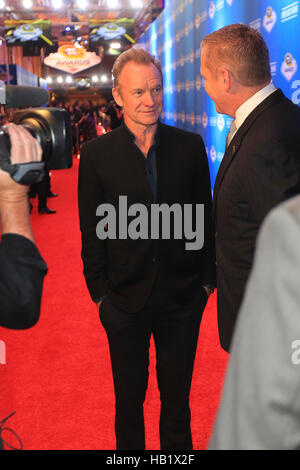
[(146, 285), (261, 164)]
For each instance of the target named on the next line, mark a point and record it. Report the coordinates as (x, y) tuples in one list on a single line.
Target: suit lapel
[(235, 143)]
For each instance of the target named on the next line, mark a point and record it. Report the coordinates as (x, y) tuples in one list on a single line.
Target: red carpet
[(57, 375)]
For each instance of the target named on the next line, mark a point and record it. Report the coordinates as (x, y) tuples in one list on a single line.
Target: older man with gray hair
[(146, 285), (261, 165)]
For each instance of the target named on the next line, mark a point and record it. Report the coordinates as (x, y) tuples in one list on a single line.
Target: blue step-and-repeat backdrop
[(174, 38)]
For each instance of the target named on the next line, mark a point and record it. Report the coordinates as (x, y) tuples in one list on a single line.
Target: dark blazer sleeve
[(204, 196), (90, 195), (272, 176), (22, 271)]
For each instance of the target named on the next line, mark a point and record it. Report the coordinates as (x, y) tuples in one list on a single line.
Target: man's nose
[(149, 100)]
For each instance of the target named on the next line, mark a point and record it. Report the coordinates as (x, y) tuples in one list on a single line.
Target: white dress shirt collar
[(248, 106)]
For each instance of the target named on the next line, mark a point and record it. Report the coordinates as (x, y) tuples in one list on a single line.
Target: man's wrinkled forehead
[(135, 75)]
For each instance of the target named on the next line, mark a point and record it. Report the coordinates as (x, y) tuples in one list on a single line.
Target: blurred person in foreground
[(261, 164), (260, 406), (143, 285), (22, 269)]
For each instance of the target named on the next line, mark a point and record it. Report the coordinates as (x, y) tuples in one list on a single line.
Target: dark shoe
[(52, 195), (46, 210)]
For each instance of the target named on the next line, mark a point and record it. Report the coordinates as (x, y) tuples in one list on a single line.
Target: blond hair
[(139, 56), (242, 50)]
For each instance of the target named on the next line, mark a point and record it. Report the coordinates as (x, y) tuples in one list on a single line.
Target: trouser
[(42, 189), (175, 334)]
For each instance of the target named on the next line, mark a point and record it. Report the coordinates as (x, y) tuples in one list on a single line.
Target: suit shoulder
[(177, 133), (102, 140)]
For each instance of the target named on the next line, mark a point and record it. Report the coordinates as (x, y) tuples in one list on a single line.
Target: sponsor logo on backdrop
[(192, 57), (211, 10), (221, 122), (213, 154), (204, 119), (256, 24), (220, 156), (296, 94), (182, 116), (289, 66), (230, 2), (273, 67), (193, 118), (270, 19), (198, 82), (213, 121), (200, 18), (290, 11), (214, 7)]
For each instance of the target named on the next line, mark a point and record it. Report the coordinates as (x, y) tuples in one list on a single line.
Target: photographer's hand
[(14, 211)]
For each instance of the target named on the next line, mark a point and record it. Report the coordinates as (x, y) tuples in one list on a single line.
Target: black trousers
[(42, 189), (175, 331)]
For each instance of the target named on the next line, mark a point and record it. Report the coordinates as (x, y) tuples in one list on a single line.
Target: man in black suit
[(143, 284), (261, 164)]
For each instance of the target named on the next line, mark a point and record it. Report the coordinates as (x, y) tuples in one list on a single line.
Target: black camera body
[(50, 126)]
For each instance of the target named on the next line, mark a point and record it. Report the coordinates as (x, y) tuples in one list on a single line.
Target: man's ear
[(117, 96), (226, 80)]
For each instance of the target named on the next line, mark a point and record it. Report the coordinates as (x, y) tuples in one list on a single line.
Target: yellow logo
[(72, 52)]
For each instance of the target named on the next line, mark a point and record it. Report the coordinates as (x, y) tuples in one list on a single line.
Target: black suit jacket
[(22, 271), (125, 270), (260, 168)]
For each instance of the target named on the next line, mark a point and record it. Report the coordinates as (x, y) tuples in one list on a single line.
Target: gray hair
[(243, 50), (139, 56)]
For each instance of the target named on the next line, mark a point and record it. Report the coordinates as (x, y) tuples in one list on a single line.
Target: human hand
[(24, 149)]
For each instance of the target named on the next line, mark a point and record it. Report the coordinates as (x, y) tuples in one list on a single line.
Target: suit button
[(216, 234), (154, 259)]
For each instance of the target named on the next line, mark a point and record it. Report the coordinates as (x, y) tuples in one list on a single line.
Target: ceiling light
[(27, 4), (94, 78), (136, 3), (49, 80), (112, 3), (69, 79), (2, 4), (115, 45), (59, 79), (82, 4), (56, 4), (103, 78)]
